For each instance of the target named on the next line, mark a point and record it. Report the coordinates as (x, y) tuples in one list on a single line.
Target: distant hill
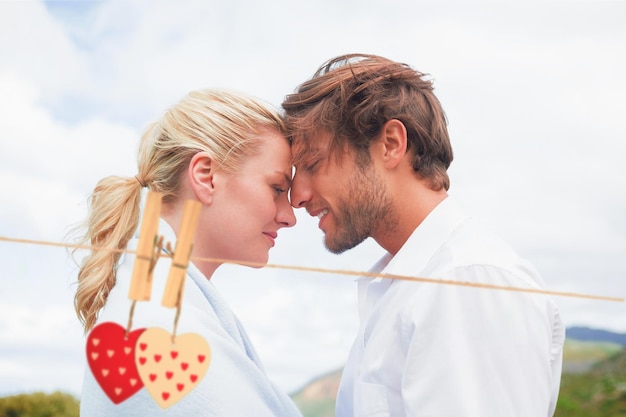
[(580, 355), (588, 334), (598, 392), (317, 399)]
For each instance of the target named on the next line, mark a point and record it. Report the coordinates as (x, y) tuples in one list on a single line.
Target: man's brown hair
[(352, 96)]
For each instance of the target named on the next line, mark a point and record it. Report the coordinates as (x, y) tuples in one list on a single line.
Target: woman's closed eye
[(279, 189)]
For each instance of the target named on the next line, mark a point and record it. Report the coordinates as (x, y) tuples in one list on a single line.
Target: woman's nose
[(285, 216)]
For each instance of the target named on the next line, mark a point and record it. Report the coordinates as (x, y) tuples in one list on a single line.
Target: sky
[(534, 94)]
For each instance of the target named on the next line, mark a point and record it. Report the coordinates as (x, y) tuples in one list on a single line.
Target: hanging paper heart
[(111, 358), (170, 370)]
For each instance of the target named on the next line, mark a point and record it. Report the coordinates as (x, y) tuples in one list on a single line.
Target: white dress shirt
[(435, 350)]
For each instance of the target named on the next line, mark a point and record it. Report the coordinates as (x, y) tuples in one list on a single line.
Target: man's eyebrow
[(306, 153)]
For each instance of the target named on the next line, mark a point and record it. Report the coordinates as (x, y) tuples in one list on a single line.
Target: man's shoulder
[(470, 253), (472, 242)]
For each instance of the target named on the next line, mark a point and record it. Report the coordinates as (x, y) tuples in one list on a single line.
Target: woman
[(228, 152)]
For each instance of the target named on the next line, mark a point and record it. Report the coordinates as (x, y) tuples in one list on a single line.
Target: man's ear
[(393, 142), (201, 175)]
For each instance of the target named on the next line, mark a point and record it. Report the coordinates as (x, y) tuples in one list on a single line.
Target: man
[(371, 150)]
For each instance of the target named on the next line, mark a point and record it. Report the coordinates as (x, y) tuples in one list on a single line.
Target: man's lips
[(320, 214)]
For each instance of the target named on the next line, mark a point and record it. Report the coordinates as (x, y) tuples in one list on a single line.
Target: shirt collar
[(414, 255), (427, 238)]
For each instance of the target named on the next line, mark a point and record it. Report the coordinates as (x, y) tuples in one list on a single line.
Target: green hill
[(580, 356), (39, 404), (598, 392), (317, 399)]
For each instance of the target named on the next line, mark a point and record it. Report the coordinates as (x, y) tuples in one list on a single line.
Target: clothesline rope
[(328, 271)]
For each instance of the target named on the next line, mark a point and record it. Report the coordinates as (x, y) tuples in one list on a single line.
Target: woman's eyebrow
[(285, 176)]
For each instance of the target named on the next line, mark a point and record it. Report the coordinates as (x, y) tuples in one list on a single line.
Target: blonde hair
[(225, 124)]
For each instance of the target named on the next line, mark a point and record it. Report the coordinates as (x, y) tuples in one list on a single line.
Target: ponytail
[(113, 218)]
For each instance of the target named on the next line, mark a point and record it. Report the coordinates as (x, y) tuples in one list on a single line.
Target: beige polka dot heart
[(169, 371)]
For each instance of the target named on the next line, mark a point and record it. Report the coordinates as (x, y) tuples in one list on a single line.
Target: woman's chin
[(256, 262)]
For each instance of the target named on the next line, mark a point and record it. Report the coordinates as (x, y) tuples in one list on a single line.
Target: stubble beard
[(366, 208)]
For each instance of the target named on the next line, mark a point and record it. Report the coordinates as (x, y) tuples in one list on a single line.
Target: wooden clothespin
[(182, 253), (148, 249)]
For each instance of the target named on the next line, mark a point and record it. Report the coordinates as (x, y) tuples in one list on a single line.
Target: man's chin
[(338, 248)]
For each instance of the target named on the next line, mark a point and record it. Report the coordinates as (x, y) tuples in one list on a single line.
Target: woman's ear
[(393, 142), (201, 175)]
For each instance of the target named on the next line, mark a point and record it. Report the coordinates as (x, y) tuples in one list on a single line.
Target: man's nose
[(300, 193)]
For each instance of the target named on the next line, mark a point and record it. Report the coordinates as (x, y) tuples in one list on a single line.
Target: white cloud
[(22, 326), (39, 48), (41, 342), (47, 167)]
